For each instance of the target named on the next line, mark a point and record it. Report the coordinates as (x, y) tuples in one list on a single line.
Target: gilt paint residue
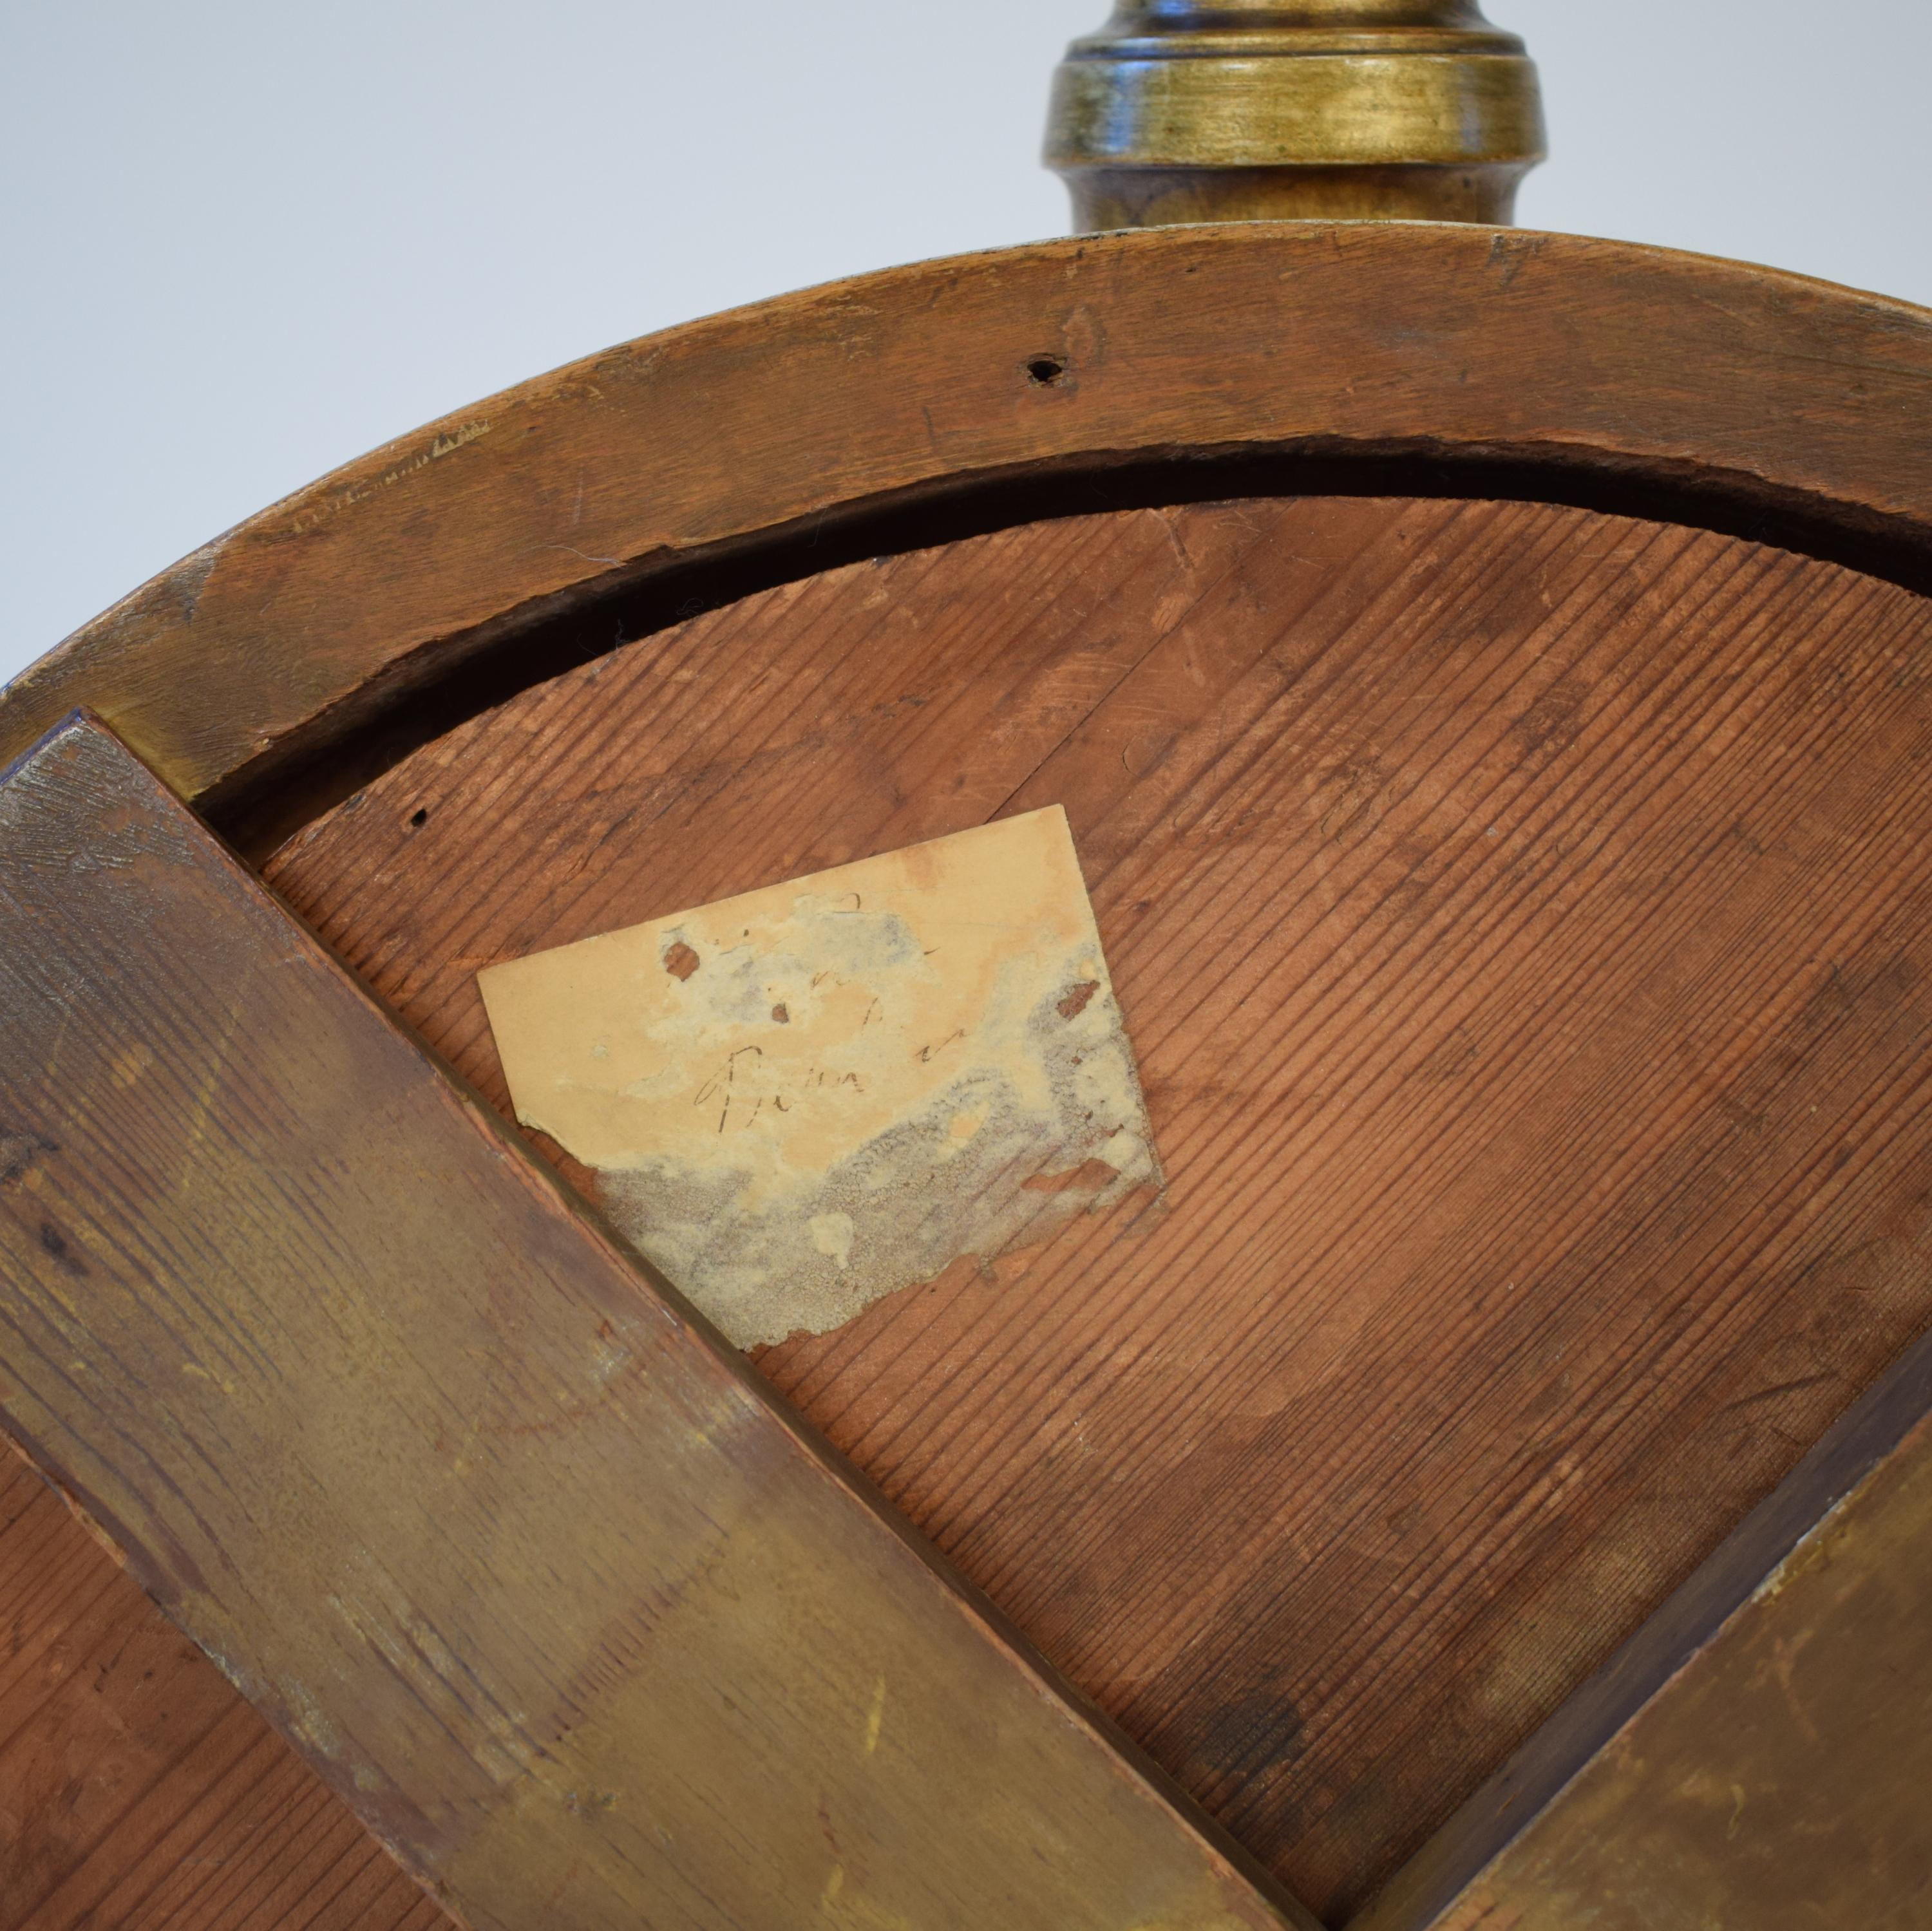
[(808, 1097)]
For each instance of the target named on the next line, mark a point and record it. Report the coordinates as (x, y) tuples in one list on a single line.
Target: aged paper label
[(808, 1097)]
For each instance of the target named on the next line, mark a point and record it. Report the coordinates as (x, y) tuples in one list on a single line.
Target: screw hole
[(418, 818), (1043, 371)]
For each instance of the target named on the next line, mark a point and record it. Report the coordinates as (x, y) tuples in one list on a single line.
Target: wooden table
[(1489, 677)]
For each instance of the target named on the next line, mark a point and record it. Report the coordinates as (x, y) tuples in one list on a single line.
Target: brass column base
[(1106, 198), (1327, 110)]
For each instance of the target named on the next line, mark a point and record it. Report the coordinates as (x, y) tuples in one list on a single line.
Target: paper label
[(811, 1095)]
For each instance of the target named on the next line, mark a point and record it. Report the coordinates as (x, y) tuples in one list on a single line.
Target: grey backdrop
[(244, 240)]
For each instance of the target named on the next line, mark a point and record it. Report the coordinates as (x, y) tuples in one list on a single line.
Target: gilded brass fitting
[(1255, 110)]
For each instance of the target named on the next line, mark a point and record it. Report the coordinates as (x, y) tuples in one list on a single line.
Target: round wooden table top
[(1505, 811)]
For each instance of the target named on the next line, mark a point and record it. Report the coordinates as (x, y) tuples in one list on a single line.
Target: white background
[(243, 241)]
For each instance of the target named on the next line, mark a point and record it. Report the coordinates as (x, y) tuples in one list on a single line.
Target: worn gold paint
[(652, 1758), (806, 1097)]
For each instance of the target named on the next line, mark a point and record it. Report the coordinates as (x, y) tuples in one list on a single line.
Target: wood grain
[(330, 615), (1775, 1775), (1521, 918), (1757, 1753), (137, 1788), (524, 1560)]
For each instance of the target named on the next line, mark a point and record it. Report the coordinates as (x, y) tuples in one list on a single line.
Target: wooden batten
[(564, 1605)]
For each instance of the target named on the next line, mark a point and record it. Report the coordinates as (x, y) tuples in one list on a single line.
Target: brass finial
[(1273, 110)]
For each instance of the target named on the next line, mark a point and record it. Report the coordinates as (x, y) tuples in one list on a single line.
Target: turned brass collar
[(1254, 110)]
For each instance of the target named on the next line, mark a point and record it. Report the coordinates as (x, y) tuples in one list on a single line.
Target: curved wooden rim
[(784, 436)]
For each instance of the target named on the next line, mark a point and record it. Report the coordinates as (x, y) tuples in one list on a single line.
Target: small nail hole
[(1045, 370), (418, 818)]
